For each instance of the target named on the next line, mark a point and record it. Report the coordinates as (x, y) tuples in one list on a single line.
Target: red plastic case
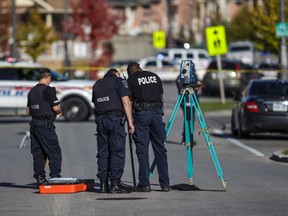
[(67, 186)]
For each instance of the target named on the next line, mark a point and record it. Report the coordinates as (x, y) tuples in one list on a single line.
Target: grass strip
[(207, 106)]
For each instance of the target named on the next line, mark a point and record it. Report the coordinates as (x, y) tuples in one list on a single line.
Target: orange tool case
[(66, 185)]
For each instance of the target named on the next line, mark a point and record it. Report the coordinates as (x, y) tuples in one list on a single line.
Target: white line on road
[(241, 145)]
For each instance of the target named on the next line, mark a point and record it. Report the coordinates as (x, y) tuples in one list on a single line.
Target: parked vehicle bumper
[(265, 123)]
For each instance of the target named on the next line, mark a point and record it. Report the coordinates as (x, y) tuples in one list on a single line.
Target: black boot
[(41, 180), (116, 187), (104, 186)]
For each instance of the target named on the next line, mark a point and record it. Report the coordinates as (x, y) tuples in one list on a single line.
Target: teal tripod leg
[(188, 130), (169, 125), (208, 138)]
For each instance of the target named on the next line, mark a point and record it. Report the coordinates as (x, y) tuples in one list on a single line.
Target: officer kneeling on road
[(147, 97), (43, 106), (111, 100)]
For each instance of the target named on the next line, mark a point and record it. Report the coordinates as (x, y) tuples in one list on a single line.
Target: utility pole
[(283, 48), (67, 62), (14, 29), (169, 20)]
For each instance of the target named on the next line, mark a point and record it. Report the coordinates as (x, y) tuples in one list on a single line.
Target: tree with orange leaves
[(95, 22), (5, 24)]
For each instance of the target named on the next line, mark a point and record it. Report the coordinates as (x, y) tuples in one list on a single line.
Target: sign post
[(216, 44)]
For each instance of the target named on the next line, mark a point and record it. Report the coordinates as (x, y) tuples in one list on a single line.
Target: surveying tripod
[(188, 91)]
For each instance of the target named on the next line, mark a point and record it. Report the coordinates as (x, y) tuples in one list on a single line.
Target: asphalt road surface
[(256, 184)]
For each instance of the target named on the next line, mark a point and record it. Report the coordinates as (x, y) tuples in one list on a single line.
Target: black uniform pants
[(45, 145), (111, 146), (149, 126)]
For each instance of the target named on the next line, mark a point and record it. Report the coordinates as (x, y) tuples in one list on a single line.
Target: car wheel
[(234, 132), (75, 109), (241, 133)]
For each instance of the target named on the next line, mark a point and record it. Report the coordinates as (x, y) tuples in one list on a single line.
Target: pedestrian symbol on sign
[(217, 42)]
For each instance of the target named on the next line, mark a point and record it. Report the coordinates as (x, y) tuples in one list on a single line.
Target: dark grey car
[(236, 76), (263, 108)]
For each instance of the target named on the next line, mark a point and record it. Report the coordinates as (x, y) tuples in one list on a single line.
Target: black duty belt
[(139, 106), (40, 117), (116, 113)]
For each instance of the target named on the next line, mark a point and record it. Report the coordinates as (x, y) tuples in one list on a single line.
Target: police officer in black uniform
[(147, 101), (44, 106), (112, 104)]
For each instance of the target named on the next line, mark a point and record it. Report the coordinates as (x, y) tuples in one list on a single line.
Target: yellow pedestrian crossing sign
[(216, 40), (159, 39)]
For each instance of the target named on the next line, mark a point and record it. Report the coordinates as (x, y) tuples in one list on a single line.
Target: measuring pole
[(221, 77)]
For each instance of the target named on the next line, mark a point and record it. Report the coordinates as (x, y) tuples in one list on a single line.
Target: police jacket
[(41, 99), (107, 94), (145, 86)]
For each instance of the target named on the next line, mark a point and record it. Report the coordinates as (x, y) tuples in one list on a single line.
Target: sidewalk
[(279, 156)]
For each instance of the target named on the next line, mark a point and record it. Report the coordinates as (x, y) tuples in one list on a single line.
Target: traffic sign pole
[(283, 42), (216, 43), (221, 83)]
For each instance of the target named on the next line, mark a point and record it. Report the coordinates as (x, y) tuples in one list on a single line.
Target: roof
[(132, 3), (117, 3)]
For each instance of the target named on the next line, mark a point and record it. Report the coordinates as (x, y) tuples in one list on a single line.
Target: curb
[(218, 113), (279, 156)]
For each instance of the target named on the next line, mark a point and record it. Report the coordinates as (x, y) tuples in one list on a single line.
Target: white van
[(200, 58), (243, 51)]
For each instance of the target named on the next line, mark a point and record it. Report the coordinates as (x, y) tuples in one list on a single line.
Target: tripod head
[(187, 73), (187, 77)]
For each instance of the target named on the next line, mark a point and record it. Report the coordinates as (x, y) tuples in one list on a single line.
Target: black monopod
[(132, 158), (131, 150)]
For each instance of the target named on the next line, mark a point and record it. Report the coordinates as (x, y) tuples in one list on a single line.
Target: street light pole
[(14, 29), (283, 43)]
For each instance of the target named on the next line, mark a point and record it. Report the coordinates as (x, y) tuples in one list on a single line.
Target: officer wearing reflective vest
[(43, 106), (147, 101), (112, 105)]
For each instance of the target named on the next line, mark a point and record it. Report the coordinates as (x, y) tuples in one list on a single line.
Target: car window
[(58, 77), (269, 88), (8, 74), (26, 73), (268, 66), (31, 74), (202, 56), (177, 55), (190, 55), (165, 54), (240, 48), (151, 64), (225, 65), (167, 64)]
